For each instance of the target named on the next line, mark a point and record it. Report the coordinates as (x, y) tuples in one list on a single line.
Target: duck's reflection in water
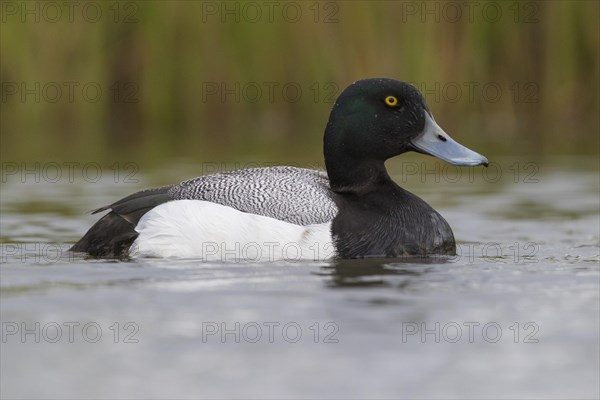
[(369, 272)]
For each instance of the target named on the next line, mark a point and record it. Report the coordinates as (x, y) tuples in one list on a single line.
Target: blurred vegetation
[(162, 67)]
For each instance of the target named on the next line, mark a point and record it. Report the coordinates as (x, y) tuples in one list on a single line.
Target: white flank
[(212, 232)]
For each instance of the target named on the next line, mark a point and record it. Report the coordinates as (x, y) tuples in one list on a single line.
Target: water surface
[(514, 315)]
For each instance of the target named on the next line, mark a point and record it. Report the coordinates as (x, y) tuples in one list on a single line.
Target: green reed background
[(161, 67)]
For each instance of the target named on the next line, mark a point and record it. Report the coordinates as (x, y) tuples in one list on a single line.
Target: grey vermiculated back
[(296, 195)]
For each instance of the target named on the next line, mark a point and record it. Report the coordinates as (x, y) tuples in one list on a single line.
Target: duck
[(351, 210)]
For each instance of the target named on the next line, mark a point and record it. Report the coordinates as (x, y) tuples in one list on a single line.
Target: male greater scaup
[(353, 211)]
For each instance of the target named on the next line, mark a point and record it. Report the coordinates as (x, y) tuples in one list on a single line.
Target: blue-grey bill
[(435, 142)]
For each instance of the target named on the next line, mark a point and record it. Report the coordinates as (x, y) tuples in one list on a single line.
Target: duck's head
[(375, 119)]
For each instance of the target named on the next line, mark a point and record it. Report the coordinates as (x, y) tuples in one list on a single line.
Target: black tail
[(114, 233)]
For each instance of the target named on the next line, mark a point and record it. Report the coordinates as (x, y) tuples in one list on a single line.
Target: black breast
[(389, 222)]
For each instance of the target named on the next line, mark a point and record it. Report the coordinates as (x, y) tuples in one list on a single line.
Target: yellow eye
[(391, 101)]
